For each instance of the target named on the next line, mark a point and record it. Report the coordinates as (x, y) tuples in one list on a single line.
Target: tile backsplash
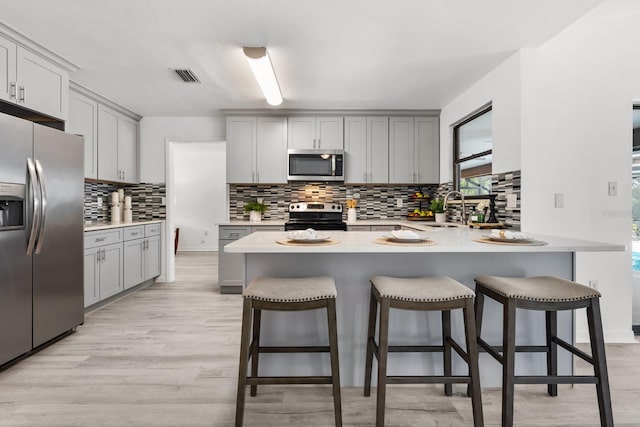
[(146, 201), (374, 201)]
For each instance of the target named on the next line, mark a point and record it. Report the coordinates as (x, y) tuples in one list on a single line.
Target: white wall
[(154, 131), (574, 122), (200, 194)]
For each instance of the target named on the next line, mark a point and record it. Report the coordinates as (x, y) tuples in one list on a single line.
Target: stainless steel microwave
[(315, 165)]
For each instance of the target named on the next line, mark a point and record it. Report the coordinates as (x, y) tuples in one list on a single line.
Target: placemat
[(493, 242), (325, 243), (383, 241)]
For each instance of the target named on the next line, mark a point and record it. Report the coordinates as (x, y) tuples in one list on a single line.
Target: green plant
[(255, 206), (437, 206)]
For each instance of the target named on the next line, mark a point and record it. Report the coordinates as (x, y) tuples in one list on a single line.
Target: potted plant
[(437, 207), (255, 210)]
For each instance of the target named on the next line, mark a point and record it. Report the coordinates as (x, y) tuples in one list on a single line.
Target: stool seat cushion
[(543, 288), (421, 289), (275, 289)]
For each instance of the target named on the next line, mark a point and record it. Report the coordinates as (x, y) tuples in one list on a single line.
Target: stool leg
[(255, 349), (373, 311), (508, 361), (474, 370), (552, 354), (446, 354), (244, 360), (383, 347), (335, 366), (599, 362), (478, 307)]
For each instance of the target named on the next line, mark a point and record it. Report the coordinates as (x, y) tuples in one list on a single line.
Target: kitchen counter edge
[(106, 226)]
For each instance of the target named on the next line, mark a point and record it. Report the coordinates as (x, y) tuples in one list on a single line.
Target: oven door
[(315, 165)]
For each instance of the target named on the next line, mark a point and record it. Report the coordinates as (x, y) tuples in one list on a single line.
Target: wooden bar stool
[(268, 293), (424, 294), (549, 294)]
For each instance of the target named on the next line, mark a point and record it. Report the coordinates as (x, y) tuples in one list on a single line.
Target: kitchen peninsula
[(356, 257)]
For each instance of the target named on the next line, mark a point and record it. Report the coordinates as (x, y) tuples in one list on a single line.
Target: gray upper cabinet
[(29, 80), (414, 149), (366, 145), (315, 132), (256, 150), (117, 146), (83, 120)]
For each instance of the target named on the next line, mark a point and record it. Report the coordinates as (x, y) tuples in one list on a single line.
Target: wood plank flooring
[(167, 356)]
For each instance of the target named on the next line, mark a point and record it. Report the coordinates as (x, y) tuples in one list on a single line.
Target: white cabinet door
[(133, 263), (42, 86), (427, 150), (111, 270), (7, 70), (301, 132), (152, 257), (107, 144), (378, 150), (355, 148), (241, 142), (271, 150), (91, 278), (83, 120), (128, 149), (329, 133), (401, 142)]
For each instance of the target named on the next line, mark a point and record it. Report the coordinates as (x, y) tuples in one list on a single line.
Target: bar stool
[(549, 294), (291, 294), (424, 294)]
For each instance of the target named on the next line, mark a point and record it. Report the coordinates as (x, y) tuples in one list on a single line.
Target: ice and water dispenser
[(12, 206)]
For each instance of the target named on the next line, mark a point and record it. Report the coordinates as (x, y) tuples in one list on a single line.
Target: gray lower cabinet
[(141, 254), (231, 267), (103, 258), (384, 227), (358, 227)]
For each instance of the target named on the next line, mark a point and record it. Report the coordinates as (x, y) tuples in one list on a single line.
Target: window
[(473, 144)]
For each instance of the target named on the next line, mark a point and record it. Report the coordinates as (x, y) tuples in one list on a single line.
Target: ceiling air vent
[(187, 75)]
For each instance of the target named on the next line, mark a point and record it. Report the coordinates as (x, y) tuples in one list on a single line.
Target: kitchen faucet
[(464, 211)]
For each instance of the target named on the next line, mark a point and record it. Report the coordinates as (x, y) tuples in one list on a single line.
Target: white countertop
[(418, 225), (106, 225), (447, 240), (264, 222)]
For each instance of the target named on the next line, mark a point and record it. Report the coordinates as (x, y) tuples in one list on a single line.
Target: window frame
[(456, 144)]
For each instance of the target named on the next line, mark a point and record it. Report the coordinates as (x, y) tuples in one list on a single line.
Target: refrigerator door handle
[(35, 221), (43, 207)]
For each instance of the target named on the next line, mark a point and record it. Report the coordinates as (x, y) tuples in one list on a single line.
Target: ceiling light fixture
[(260, 64)]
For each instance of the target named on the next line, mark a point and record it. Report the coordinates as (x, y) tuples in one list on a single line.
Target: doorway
[(196, 197), (635, 209)]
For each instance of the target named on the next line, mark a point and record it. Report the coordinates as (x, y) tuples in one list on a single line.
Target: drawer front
[(384, 227), (267, 228), (234, 233), (358, 228), (151, 230), (132, 233), (94, 239)]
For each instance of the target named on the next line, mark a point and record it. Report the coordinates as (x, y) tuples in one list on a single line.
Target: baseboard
[(610, 337), (198, 249)]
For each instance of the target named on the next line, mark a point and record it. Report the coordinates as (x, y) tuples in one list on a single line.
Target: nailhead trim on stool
[(286, 294), (548, 294), (422, 294)]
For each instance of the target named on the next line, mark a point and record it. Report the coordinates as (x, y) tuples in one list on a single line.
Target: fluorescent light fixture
[(260, 64)]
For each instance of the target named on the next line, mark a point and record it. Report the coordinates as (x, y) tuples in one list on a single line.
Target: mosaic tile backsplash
[(374, 201), (146, 201)]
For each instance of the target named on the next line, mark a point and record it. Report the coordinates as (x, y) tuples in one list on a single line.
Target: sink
[(443, 225)]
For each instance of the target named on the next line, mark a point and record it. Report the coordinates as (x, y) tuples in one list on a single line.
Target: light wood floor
[(167, 356)]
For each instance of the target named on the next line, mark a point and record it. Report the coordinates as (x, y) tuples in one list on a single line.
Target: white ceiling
[(400, 54)]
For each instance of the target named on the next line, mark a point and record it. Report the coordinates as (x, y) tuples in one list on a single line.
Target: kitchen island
[(356, 257)]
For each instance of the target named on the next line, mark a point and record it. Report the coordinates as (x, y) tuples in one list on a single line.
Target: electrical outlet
[(163, 201), (356, 195), (512, 200), (100, 201), (613, 188), (559, 200), (593, 284), (398, 203)]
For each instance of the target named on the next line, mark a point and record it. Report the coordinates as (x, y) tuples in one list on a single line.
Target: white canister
[(128, 216), (351, 214), (115, 214)]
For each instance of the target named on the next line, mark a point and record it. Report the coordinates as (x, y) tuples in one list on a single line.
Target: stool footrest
[(415, 348), (562, 379), (303, 349), (413, 379), (570, 348), (287, 380)]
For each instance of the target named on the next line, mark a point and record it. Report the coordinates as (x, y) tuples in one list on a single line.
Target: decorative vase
[(441, 217), (351, 214), (255, 216)]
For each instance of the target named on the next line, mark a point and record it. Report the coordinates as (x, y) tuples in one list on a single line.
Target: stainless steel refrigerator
[(41, 235)]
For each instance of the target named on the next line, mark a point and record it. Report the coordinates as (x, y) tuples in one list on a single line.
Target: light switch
[(559, 200), (613, 188), (99, 202), (398, 203)]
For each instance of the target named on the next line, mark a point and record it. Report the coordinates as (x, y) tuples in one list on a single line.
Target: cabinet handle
[(104, 254), (22, 94), (12, 89), (365, 177), (234, 234), (253, 177), (318, 142), (98, 256), (124, 175), (100, 239), (135, 234)]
